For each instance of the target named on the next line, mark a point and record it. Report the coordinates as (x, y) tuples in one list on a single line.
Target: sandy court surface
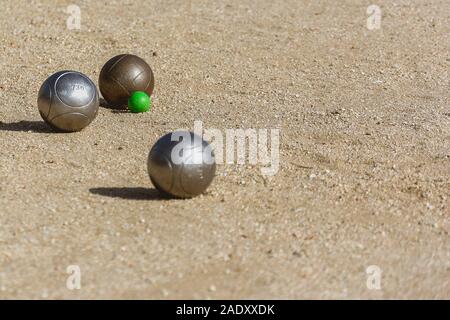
[(364, 177)]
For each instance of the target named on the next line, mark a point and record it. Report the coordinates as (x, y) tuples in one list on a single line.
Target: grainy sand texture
[(364, 177)]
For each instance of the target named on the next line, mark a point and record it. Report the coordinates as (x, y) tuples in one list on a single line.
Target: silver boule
[(181, 164), (68, 101)]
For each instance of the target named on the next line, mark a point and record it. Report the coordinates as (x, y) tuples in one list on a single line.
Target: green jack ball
[(138, 102)]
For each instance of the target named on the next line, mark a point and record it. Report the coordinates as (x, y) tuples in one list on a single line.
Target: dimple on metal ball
[(68, 101), (181, 164)]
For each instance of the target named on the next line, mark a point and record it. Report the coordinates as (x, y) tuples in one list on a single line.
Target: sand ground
[(364, 177)]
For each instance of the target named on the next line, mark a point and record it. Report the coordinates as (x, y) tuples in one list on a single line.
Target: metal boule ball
[(121, 76), (181, 164), (68, 101)]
